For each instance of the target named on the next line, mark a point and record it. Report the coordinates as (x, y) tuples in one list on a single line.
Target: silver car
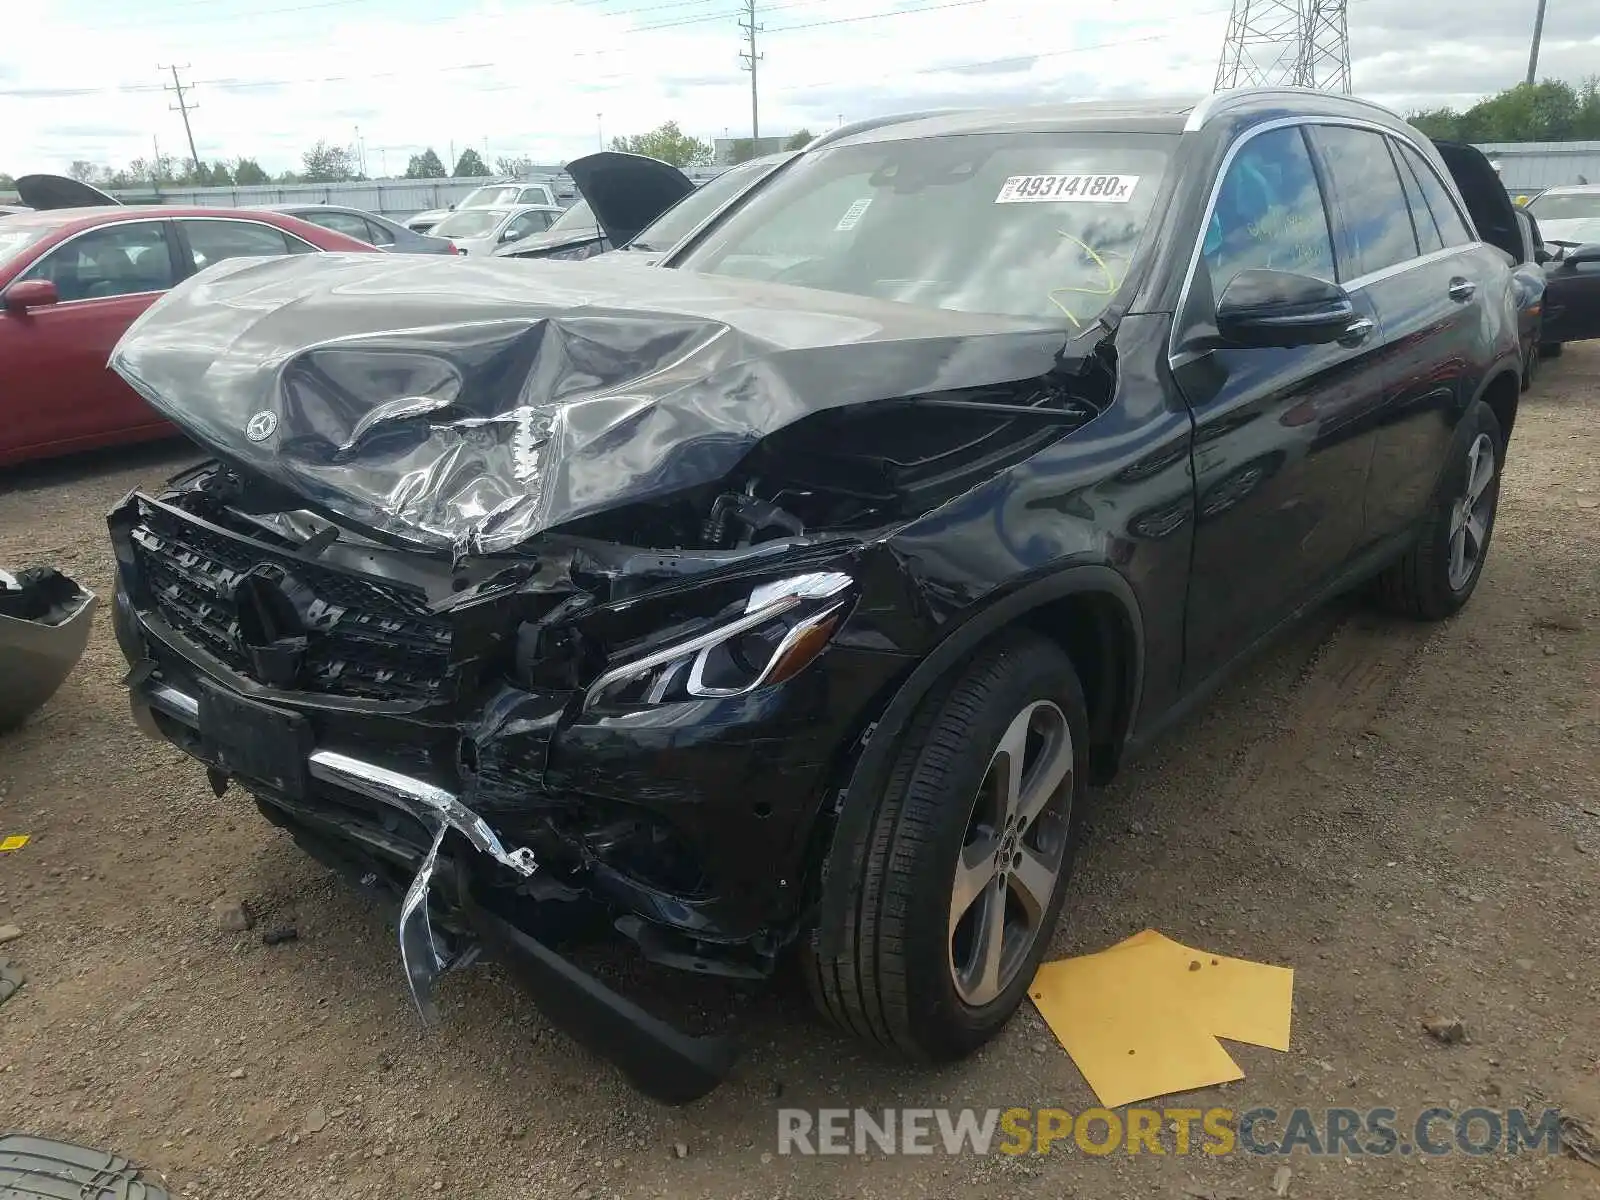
[(366, 227), (480, 231), (505, 194)]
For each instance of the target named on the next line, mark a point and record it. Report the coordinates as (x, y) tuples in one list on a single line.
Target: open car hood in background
[(465, 405), (44, 192), (627, 191), (1487, 200)]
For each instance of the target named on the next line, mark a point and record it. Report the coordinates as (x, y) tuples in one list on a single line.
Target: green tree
[(800, 140), (324, 163), (1552, 111), (247, 171), (514, 165), (470, 166), (6, 181), (425, 166), (742, 150), (668, 143), (219, 174)]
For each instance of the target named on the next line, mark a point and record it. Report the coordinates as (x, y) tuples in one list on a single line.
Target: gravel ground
[(1409, 816)]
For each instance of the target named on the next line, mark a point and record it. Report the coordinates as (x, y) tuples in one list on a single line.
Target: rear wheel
[(967, 859), (1438, 575)]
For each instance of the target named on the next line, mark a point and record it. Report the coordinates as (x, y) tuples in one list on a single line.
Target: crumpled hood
[(469, 404)]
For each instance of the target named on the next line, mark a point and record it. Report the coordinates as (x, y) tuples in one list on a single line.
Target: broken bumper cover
[(661, 1061)]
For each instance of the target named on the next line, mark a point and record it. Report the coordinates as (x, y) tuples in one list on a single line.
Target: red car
[(73, 279)]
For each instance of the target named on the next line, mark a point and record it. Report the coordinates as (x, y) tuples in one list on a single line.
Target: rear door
[(207, 240), (1282, 446), (1403, 244), (65, 397)]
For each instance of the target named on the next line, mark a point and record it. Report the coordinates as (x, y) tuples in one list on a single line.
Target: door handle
[(1357, 331), (1461, 290)]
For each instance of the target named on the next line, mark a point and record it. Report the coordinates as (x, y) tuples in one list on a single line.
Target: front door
[(65, 397), (1282, 440)]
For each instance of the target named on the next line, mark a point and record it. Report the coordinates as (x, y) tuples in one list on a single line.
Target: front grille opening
[(365, 638)]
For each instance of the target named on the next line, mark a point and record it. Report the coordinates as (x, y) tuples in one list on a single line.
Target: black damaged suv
[(792, 595)]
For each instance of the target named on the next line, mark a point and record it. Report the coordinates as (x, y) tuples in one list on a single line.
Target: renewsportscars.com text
[(1348, 1132)]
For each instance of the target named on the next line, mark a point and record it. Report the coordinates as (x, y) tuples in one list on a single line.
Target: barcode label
[(1045, 189)]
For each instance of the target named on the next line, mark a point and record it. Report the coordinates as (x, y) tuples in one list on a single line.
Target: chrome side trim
[(434, 806), (431, 804), (180, 706)]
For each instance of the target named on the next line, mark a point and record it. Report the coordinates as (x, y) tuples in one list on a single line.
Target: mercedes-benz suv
[(789, 597)]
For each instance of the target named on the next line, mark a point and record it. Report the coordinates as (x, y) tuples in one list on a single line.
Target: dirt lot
[(1409, 816)]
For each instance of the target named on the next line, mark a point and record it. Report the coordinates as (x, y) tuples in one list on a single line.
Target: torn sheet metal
[(467, 405)]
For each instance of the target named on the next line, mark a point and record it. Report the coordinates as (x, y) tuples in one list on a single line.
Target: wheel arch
[(1502, 392), (1089, 610)]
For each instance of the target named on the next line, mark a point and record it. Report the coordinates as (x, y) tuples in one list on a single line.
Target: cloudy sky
[(547, 78)]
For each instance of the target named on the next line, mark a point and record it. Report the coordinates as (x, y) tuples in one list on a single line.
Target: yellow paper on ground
[(15, 842), (1140, 1020), (1131, 1038)]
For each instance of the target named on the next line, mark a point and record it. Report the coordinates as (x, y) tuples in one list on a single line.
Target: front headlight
[(785, 626)]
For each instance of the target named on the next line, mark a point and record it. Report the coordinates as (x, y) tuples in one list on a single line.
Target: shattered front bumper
[(661, 1061)]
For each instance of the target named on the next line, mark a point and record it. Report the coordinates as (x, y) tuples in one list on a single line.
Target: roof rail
[(1217, 102), (862, 126)]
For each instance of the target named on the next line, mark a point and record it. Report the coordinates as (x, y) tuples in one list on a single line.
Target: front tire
[(1438, 575), (967, 858)]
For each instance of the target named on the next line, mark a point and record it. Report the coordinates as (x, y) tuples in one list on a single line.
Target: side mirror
[(1589, 252), (31, 293), (513, 235), (449, 208), (1262, 308)]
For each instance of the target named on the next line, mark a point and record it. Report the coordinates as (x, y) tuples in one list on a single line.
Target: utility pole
[(748, 60), (1538, 32), (183, 106), (599, 132)]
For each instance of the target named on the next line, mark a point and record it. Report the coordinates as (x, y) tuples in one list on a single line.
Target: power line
[(183, 106), (748, 59)]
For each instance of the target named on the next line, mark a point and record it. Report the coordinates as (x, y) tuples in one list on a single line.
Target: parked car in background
[(43, 193), (1569, 219), (505, 194), (366, 227), (1568, 215), (790, 602), (609, 210), (7, 210), (481, 231), (73, 280)]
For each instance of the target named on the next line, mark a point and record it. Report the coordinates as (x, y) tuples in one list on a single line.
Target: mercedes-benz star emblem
[(261, 426)]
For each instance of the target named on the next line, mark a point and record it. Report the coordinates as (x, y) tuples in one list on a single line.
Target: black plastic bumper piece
[(662, 1062)]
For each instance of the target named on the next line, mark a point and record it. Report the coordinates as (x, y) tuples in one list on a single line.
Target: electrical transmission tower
[(1302, 43), (748, 60), (183, 106)]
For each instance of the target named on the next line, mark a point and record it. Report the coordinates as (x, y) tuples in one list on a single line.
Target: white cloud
[(538, 77)]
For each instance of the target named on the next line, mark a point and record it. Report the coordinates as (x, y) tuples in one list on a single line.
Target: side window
[(1446, 215), (527, 223), (1428, 239), (377, 234), (118, 260), (212, 241), (346, 223), (1269, 213), (1371, 215)]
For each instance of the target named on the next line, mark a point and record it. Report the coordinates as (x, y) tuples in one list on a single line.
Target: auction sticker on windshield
[(1033, 189), (852, 215)]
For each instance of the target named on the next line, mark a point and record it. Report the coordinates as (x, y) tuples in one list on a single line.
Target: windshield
[(476, 223), (490, 197), (672, 226), (15, 238), (1032, 225), (577, 219), (1566, 206)]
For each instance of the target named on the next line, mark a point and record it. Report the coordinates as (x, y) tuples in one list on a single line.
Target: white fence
[(396, 198)]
